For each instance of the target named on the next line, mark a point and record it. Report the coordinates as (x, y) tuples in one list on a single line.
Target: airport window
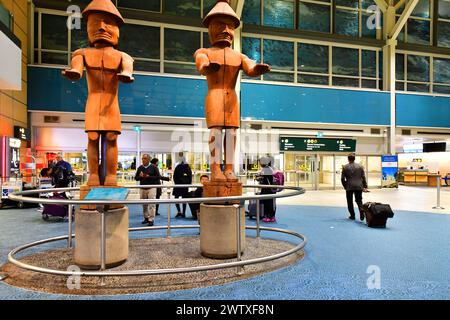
[(315, 16), (207, 6), (251, 14), (441, 75), (351, 67), (279, 13), (280, 56), (413, 72), (179, 46), (418, 27), (186, 8), (5, 17), (142, 43), (54, 32), (443, 23), (347, 22), (79, 38), (345, 61), (312, 58), (147, 5)]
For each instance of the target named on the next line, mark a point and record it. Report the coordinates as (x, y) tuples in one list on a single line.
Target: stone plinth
[(218, 231), (88, 238)]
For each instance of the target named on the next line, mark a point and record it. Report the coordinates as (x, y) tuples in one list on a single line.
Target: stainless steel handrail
[(20, 196), (144, 272)]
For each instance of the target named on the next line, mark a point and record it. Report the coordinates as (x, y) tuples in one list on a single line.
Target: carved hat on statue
[(103, 22), (222, 8), (103, 6)]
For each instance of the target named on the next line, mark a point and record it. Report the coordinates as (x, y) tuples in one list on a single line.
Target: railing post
[(438, 188), (70, 212), (168, 214), (238, 237)]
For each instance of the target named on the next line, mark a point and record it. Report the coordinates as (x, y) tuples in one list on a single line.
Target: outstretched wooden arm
[(253, 69), (204, 66), (126, 76), (76, 67)]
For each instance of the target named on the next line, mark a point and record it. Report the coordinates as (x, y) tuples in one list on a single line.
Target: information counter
[(415, 177)]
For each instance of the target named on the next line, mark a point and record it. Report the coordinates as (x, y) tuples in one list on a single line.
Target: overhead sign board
[(317, 144)]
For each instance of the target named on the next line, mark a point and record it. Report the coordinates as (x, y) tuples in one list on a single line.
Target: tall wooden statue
[(105, 67), (221, 65)]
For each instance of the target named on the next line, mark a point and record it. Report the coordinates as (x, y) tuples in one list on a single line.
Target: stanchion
[(258, 208), (239, 269), (69, 240), (103, 245), (168, 215), (438, 188)]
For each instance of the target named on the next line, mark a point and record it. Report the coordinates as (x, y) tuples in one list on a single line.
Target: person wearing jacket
[(148, 174), (354, 182), (182, 175), (266, 178)]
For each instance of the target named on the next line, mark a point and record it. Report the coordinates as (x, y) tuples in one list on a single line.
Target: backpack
[(185, 174), (278, 179)]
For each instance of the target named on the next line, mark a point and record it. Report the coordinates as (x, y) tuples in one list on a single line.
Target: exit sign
[(317, 144)]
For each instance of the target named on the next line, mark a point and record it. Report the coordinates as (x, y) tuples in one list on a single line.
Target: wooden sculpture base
[(222, 189), (85, 189)]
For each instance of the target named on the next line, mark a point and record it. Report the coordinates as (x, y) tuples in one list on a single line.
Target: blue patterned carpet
[(413, 255)]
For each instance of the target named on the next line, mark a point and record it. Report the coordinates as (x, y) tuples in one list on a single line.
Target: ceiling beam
[(403, 18), (399, 4), (382, 5)]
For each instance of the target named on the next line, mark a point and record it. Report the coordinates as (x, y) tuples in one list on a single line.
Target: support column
[(138, 144)]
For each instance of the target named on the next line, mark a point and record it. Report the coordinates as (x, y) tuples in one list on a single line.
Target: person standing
[(182, 175), (155, 163), (354, 182), (266, 178), (60, 162), (148, 175)]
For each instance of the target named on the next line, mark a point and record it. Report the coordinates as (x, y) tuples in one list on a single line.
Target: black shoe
[(352, 217), (150, 223), (145, 221), (361, 216), (180, 215), (157, 214)]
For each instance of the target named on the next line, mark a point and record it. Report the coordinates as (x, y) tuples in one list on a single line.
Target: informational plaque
[(107, 194)]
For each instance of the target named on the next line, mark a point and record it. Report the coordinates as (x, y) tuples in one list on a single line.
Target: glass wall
[(309, 63), (350, 16), (413, 73), (145, 42)]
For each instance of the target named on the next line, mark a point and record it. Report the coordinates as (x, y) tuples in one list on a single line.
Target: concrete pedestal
[(88, 238), (218, 231)]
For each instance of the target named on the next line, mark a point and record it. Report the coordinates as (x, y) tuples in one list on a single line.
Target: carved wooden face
[(221, 30), (102, 28)]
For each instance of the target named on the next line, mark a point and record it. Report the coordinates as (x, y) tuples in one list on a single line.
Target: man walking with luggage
[(354, 182)]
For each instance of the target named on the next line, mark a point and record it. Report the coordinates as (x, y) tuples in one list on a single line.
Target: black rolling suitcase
[(377, 214)]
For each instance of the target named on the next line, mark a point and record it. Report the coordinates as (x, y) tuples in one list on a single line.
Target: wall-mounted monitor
[(434, 147)]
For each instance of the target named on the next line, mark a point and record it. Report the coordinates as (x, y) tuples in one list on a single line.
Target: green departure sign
[(317, 144)]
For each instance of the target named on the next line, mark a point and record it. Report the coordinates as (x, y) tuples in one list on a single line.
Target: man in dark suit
[(354, 181)]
